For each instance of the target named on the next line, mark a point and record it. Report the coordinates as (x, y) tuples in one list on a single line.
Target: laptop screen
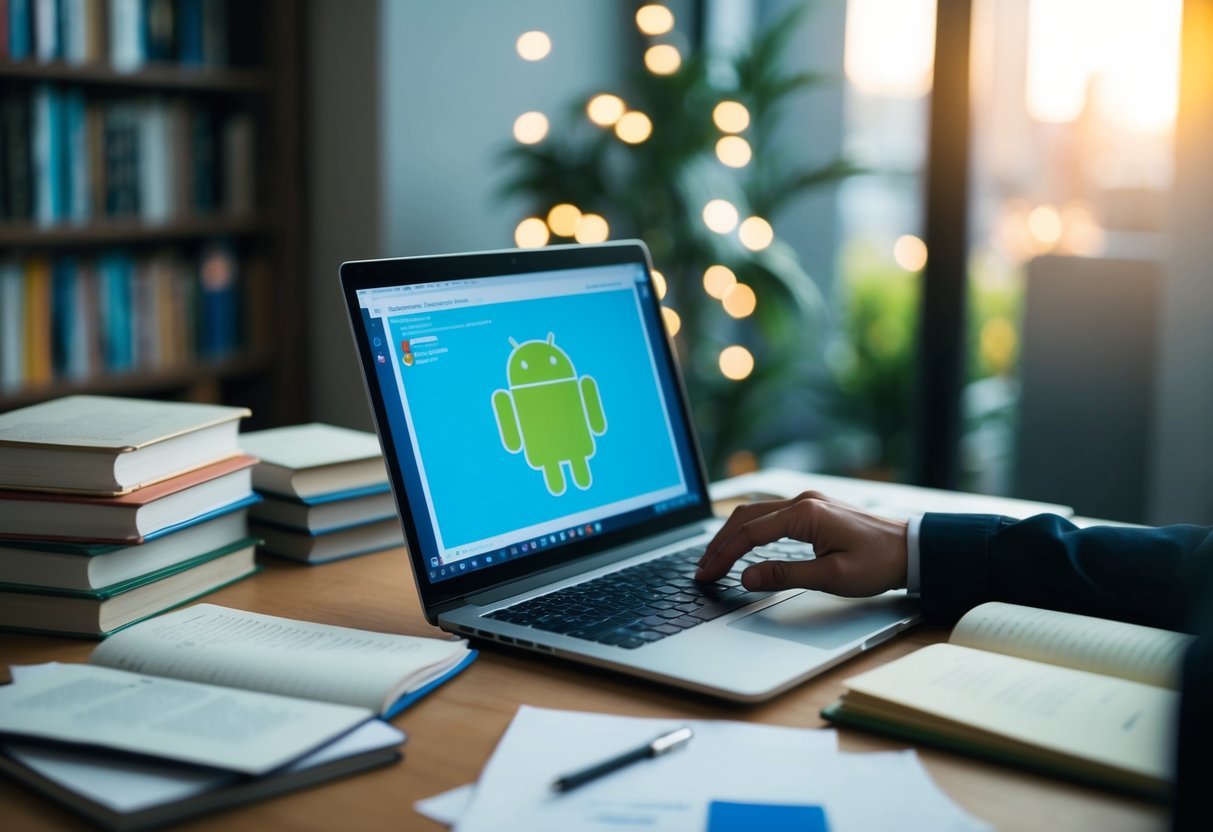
[(529, 411)]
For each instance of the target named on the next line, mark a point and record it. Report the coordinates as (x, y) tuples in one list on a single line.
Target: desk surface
[(453, 731)]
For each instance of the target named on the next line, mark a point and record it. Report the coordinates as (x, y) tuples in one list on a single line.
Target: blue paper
[(769, 817)]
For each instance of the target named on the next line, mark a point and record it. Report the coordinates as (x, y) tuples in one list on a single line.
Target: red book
[(130, 518)]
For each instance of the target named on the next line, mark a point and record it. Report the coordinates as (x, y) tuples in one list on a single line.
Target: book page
[(234, 648), (229, 729), (1108, 721), (1114, 648)]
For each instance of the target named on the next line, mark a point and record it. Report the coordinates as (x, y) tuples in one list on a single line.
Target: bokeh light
[(531, 128), (563, 219), (1045, 224), (740, 301), (533, 46), (531, 233), (717, 280), (756, 233), (662, 59), (659, 284), (605, 109), (720, 216), (654, 19), (731, 116), (734, 151), (592, 228), (673, 322), (633, 127), (736, 362), (910, 253)]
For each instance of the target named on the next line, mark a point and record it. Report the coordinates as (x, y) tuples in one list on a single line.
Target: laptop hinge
[(560, 573)]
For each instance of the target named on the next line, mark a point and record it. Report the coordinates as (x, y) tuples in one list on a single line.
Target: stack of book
[(210, 707), (325, 493), (113, 510)]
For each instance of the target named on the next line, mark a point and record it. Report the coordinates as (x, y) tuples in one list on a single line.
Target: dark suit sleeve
[(1146, 576)]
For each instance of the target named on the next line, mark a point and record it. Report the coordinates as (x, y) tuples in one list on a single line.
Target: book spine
[(238, 165), (75, 34), (45, 160), (4, 29), (86, 343), (217, 279), (63, 301), (77, 167), (126, 35), (38, 363), (17, 160), (95, 34), (189, 32), (47, 45), (115, 296), (214, 33), (20, 29), (155, 185), (202, 144), (160, 29), (12, 325)]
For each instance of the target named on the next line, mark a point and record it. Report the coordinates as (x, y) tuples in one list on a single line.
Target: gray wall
[(453, 85)]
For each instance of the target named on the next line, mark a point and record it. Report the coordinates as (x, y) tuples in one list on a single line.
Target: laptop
[(549, 480)]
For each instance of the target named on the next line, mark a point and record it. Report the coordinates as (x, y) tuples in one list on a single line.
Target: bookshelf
[(199, 249)]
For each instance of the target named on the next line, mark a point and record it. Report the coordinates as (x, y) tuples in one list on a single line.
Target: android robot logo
[(549, 413)]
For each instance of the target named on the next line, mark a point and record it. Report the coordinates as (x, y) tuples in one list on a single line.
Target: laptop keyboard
[(648, 602)]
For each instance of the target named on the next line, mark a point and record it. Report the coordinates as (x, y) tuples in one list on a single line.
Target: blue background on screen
[(479, 489)]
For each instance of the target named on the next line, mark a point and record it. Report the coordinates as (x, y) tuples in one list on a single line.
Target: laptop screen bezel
[(373, 274)]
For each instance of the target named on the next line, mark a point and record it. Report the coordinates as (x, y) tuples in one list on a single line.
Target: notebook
[(546, 469)]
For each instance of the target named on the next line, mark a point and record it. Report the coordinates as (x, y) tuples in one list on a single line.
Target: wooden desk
[(453, 731)]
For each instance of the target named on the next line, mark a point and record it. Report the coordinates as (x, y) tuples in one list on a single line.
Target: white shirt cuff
[(913, 575)]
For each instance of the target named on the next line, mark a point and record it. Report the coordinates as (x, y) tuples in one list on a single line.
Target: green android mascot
[(549, 412)]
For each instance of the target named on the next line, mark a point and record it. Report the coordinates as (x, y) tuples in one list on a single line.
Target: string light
[(1045, 224), (533, 46), (531, 233), (734, 151), (563, 219), (662, 59), (740, 301), (605, 109), (633, 127), (731, 116), (756, 233), (718, 280), (659, 284), (654, 19), (736, 363), (910, 253), (673, 322), (720, 216), (592, 228), (531, 128)]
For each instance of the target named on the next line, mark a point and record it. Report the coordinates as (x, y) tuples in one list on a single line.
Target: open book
[(1069, 695), (229, 689)]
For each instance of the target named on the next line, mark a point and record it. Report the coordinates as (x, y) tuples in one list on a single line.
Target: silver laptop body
[(538, 439)]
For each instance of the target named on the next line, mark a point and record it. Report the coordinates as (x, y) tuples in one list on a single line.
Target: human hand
[(857, 553)]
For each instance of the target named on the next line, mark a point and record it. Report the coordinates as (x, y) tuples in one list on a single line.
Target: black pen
[(655, 748)]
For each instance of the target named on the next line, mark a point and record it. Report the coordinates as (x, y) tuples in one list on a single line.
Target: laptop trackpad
[(826, 621)]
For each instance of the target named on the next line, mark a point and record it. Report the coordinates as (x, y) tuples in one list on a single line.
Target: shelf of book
[(164, 77), (126, 231), (151, 163)]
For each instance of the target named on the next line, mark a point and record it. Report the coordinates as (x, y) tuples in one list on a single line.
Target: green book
[(101, 612)]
